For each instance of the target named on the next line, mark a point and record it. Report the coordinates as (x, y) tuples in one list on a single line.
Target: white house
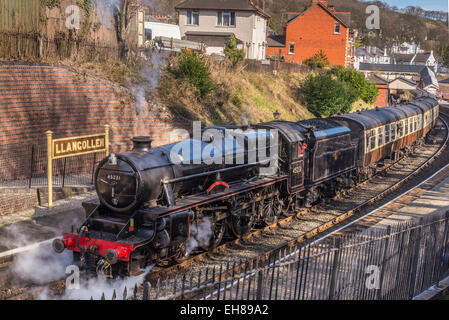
[(371, 54), (406, 48), (213, 22), (155, 28)]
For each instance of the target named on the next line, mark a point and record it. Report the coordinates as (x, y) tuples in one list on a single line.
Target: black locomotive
[(148, 203)]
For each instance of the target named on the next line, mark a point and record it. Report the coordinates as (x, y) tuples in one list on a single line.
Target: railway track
[(300, 227), (306, 226)]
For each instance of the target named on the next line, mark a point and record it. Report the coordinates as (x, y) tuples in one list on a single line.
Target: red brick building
[(382, 86), (320, 27)]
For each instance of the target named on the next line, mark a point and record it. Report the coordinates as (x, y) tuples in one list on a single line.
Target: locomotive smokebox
[(142, 144)]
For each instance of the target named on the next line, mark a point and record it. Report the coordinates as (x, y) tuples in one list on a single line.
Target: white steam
[(200, 235), (41, 265), (95, 287)]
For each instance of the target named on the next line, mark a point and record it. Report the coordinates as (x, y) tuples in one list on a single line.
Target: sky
[(440, 5)]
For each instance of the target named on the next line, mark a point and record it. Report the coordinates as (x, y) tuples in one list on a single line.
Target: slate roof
[(400, 68), (428, 78), (345, 17), (276, 41), (374, 78), (422, 57), (399, 57)]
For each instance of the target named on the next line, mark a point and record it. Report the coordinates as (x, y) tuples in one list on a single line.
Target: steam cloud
[(95, 287), (41, 265), (200, 235)]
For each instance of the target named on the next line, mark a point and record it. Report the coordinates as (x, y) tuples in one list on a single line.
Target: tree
[(326, 96), (318, 60), (231, 51), (363, 89), (191, 67)]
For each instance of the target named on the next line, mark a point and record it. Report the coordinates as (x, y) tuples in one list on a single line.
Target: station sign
[(70, 147)]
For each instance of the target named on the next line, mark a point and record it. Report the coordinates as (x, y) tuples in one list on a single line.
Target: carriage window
[(406, 126), (415, 124), (387, 134), (400, 129), (380, 137), (393, 131), (411, 126), (372, 144)]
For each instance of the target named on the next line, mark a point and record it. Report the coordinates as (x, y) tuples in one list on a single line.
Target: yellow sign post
[(70, 147)]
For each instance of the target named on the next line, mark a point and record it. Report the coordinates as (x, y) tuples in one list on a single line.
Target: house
[(213, 23), (320, 27), (392, 71), (426, 59), (399, 85), (406, 48), (382, 87), (417, 59), (429, 81), (370, 54)]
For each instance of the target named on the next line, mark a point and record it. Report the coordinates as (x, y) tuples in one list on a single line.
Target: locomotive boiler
[(150, 200)]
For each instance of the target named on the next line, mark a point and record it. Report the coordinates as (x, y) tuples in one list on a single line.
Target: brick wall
[(35, 98), (382, 98)]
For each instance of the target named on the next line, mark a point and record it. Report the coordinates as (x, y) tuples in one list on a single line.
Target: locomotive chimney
[(142, 143)]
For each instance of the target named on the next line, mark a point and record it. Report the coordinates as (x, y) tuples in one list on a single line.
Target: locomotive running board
[(203, 198)]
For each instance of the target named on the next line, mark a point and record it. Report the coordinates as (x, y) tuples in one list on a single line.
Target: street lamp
[(277, 115)]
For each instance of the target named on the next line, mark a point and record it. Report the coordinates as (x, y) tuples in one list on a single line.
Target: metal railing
[(26, 166), (392, 263)]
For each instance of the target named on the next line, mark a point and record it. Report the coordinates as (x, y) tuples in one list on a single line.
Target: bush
[(232, 53), (365, 90), (318, 60), (191, 67), (326, 96)]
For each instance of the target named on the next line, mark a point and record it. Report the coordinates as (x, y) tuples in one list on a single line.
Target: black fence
[(392, 263), (26, 166)]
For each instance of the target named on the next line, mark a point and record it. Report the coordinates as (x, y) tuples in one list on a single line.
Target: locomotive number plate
[(114, 177)]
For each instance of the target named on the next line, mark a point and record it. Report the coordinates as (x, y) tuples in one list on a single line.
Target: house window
[(337, 28), (193, 18), (291, 48), (226, 18)]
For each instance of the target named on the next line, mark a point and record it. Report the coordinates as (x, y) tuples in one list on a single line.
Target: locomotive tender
[(147, 204)]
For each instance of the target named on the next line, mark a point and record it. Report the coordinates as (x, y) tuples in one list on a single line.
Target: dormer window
[(193, 18), (226, 19), (337, 28)]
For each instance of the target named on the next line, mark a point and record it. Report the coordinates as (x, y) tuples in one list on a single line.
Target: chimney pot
[(142, 143)]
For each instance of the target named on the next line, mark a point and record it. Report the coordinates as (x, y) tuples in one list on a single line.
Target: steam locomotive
[(149, 201)]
